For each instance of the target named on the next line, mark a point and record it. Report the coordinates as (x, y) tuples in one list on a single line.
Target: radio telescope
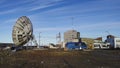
[(22, 31)]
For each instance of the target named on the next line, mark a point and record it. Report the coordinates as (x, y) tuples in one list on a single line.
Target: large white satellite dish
[(22, 31)]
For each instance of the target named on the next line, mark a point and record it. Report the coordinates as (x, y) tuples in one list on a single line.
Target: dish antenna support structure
[(23, 32)]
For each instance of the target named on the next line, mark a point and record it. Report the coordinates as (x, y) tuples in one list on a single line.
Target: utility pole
[(72, 22), (39, 39), (58, 38), (72, 26)]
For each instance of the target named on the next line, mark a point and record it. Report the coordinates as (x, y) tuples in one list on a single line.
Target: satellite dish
[(22, 31)]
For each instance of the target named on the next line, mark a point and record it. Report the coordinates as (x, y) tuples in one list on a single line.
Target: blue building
[(76, 45)]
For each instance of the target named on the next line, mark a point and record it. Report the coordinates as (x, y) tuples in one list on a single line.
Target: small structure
[(89, 42), (52, 46), (4, 46)]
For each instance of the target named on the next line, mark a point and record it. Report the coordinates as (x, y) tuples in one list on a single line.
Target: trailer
[(116, 43)]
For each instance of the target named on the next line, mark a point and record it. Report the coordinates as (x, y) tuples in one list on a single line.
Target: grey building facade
[(70, 35)]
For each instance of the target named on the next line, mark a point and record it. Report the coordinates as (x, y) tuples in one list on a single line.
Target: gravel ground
[(60, 59)]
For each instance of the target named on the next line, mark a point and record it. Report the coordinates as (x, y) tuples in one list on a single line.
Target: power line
[(107, 32)]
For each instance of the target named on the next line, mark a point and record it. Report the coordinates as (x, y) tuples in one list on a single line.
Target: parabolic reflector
[(22, 31)]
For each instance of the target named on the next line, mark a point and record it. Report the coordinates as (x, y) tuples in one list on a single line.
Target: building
[(70, 35), (110, 39), (5, 45), (52, 46), (114, 41), (99, 39), (89, 42)]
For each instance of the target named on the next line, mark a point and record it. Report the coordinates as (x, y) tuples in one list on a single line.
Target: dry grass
[(60, 59)]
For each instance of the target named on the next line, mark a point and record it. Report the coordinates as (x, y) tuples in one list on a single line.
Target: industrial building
[(71, 35), (114, 42), (72, 40)]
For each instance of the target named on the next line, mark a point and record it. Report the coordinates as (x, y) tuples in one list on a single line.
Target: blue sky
[(92, 18)]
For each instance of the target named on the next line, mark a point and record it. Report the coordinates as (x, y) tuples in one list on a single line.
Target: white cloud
[(3, 6), (43, 4), (27, 1), (51, 29), (8, 24), (2, 1), (101, 26), (29, 5), (88, 27), (83, 8), (8, 11), (40, 7), (10, 20)]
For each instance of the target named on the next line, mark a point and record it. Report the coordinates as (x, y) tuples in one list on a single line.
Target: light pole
[(39, 40)]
